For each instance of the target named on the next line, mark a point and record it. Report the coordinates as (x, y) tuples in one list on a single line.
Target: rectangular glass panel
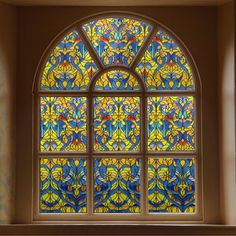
[(117, 185), (63, 185), (117, 124), (63, 124), (171, 123), (171, 185)]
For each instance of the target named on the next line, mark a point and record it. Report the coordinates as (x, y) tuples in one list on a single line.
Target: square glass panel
[(171, 185), (171, 123), (117, 185), (117, 124), (63, 185), (63, 124)]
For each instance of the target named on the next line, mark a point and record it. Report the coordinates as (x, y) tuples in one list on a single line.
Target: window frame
[(196, 217)]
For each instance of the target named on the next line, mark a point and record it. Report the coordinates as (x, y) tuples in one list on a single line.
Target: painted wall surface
[(37, 26), (226, 72), (7, 110)]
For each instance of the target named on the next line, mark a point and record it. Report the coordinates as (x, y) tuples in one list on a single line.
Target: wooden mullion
[(59, 154), (144, 47), (90, 48), (144, 166), (63, 93), (90, 157)]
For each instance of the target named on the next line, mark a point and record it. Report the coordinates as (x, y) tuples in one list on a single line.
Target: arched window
[(117, 127)]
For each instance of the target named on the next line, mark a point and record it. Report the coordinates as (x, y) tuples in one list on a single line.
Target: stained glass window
[(117, 124)]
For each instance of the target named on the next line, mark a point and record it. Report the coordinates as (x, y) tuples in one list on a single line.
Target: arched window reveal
[(121, 137)]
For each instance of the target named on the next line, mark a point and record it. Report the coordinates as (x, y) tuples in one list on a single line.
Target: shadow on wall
[(7, 110), (226, 96)]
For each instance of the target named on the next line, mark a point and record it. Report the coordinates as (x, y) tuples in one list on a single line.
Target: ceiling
[(115, 2)]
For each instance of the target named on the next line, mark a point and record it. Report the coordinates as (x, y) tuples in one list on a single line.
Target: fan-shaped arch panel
[(69, 66), (117, 80), (164, 66), (117, 40)]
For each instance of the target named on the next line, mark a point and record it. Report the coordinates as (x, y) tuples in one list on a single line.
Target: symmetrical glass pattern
[(164, 65), (117, 80), (171, 124), (69, 66), (117, 40), (63, 124), (171, 185), (63, 185), (117, 124), (116, 185)]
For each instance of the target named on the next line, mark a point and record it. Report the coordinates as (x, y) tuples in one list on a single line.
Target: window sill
[(138, 229)]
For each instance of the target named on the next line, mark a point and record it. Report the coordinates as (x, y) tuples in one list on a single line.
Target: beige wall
[(226, 89), (196, 26), (7, 109)]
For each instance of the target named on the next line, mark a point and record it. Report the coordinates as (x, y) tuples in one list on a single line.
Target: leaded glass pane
[(117, 40), (117, 185), (63, 185), (164, 66), (69, 66), (117, 124), (171, 123), (171, 185), (63, 124)]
